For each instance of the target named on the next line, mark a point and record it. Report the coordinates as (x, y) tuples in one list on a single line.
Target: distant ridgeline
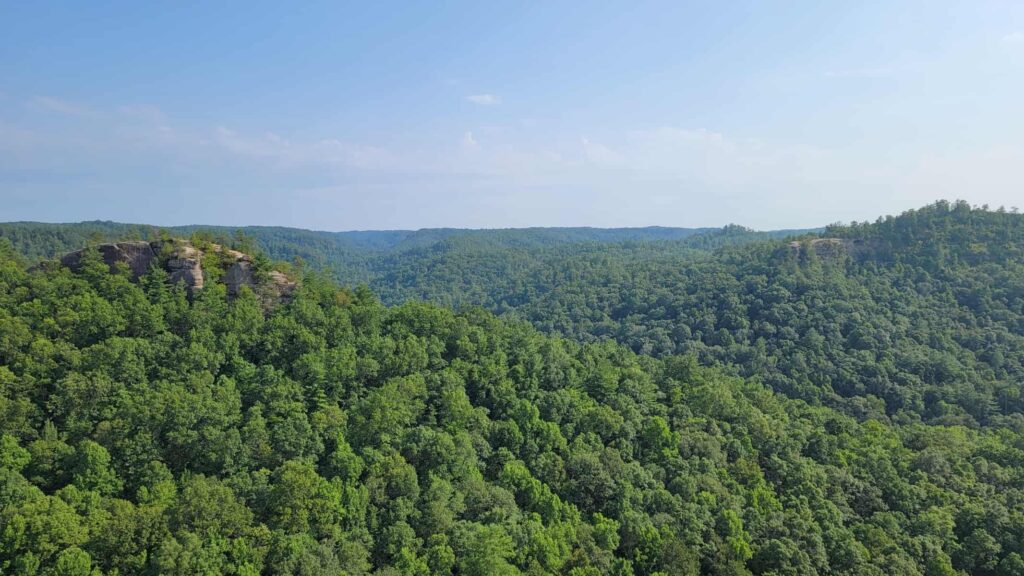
[(148, 430), (35, 240)]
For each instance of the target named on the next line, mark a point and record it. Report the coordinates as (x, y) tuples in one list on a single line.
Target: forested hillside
[(917, 316), (144, 432)]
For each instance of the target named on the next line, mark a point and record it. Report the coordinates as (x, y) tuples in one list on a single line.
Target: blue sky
[(488, 114)]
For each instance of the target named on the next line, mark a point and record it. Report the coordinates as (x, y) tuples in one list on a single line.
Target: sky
[(379, 115)]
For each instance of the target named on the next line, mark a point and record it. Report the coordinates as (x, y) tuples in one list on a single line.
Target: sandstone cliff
[(184, 264)]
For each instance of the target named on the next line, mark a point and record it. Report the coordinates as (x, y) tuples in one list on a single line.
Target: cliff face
[(137, 255), (183, 263), (186, 265)]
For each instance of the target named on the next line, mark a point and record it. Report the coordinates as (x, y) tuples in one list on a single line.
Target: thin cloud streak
[(484, 99), (50, 104), (880, 72), (1014, 38), (327, 152)]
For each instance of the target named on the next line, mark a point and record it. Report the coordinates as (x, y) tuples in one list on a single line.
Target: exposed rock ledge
[(832, 248), (184, 264)]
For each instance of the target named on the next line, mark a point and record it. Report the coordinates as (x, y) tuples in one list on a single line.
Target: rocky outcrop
[(835, 248), (138, 256), (242, 273), (282, 285), (183, 263), (186, 266), (238, 275)]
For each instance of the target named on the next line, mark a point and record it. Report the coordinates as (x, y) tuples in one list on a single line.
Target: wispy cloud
[(1014, 38), (469, 142), (878, 72), (144, 112), (599, 154), (483, 99), (144, 129), (49, 104), (327, 152)]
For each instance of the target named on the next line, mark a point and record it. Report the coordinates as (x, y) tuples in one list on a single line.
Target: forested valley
[(574, 401)]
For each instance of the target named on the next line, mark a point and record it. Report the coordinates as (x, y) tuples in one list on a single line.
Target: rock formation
[(239, 274), (137, 255), (834, 248), (184, 264)]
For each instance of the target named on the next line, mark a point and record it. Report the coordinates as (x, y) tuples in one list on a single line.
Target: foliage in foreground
[(141, 433)]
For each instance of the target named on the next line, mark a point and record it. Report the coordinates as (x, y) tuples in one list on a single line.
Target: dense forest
[(920, 316), (721, 403)]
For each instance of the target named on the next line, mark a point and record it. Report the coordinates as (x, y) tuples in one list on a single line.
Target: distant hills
[(404, 264), (38, 240)]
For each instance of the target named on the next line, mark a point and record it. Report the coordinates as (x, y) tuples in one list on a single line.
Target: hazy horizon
[(422, 229)]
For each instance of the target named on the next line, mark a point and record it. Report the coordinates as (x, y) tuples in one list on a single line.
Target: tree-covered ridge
[(920, 316), (142, 432), (943, 234)]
